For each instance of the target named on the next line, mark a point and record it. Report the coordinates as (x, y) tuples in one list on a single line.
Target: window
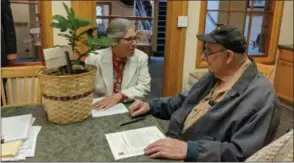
[(259, 20), (27, 28), (102, 9)]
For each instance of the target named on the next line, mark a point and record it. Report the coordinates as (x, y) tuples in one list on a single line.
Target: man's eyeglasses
[(130, 39), (206, 54)]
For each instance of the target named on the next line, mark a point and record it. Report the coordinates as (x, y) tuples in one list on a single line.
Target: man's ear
[(229, 56)]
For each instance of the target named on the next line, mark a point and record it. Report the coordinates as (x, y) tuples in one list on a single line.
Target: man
[(226, 116), (8, 38)]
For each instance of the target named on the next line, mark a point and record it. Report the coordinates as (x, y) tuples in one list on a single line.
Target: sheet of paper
[(132, 142), (55, 57), (28, 148), (10, 149), (117, 109), (33, 121), (16, 128)]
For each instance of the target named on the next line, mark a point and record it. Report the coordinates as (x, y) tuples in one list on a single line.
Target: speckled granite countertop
[(287, 47), (78, 142)]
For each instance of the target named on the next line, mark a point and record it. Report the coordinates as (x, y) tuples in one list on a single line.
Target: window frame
[(42, 14), (268, 58)]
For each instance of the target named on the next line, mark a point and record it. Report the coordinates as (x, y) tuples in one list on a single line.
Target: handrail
[(124, 17)]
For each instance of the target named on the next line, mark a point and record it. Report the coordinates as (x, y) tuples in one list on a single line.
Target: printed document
[(28, 147), (16, 128), (117, 109), (132, 142)]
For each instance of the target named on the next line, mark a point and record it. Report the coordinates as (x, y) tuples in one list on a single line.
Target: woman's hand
[(108, 102)]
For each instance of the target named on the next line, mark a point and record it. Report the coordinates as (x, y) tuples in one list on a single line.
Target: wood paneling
[(84, 9), (45, 21), (286, 55), (284, 76), (174, 48)]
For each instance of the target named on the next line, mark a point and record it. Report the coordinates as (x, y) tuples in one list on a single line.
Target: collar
[(116, 59), (245, 79), (231, 80)]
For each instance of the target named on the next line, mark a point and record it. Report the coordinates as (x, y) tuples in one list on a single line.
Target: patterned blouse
[(118, 69)]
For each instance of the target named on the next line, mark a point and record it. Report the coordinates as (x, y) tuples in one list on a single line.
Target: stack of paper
[(19, 137), (27, 149), (16, 128), (117, 109), (132, 142)]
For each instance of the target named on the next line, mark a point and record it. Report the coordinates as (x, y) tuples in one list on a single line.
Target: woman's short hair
[(117, 28)]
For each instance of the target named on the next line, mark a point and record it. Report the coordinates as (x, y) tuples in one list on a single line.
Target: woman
[(122, 73)]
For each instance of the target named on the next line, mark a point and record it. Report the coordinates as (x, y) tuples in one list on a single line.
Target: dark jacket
[(8, 38), (235, 128)]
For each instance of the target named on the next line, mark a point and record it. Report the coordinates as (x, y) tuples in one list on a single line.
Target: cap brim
[(205, 38)]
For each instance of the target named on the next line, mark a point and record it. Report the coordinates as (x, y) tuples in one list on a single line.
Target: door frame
[(175, 40)]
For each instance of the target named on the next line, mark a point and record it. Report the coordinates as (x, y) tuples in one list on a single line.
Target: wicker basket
[(67, 99)]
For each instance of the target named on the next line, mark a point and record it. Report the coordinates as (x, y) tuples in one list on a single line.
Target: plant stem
[(69, 66)]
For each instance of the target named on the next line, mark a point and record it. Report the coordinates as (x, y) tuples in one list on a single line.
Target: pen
[(132, 121)]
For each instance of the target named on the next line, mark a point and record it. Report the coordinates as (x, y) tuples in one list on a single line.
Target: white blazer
[(136, 77)]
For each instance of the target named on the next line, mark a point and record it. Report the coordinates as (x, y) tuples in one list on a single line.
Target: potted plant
[(68, 89)]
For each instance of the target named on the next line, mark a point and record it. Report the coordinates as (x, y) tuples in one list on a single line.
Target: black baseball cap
[(228, 36)]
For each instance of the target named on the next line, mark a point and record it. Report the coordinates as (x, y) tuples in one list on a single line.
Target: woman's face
[(127, 43)]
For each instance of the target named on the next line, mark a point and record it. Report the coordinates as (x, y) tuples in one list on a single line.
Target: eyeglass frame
[(209, 54), (130, 39)]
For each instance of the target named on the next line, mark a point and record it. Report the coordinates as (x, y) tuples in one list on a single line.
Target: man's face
[(214, 55)]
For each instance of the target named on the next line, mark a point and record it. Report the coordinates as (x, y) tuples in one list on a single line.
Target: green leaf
[(83, 23), (65, 35), (99, 42), (61, 46), (63, 30), (72, 13), (60, 18), (62, 23), (89, 32), (75, 24), (96, 53), (66, 8)]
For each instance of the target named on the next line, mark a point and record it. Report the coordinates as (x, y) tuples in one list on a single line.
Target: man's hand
[(11, 58), (108, 102), (167, 148), (138, 108)]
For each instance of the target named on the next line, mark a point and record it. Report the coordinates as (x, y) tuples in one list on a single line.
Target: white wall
[(286, 32), (286, 35), (191, 41), (57, 8)]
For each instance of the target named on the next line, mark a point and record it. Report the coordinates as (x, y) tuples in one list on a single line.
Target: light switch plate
[(182, 21)]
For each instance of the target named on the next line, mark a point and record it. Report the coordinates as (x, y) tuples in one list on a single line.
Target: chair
[(267, 70), (144, 41), (21, 86)]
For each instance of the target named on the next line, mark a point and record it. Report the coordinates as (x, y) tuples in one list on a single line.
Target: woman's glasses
[(130, 39)]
